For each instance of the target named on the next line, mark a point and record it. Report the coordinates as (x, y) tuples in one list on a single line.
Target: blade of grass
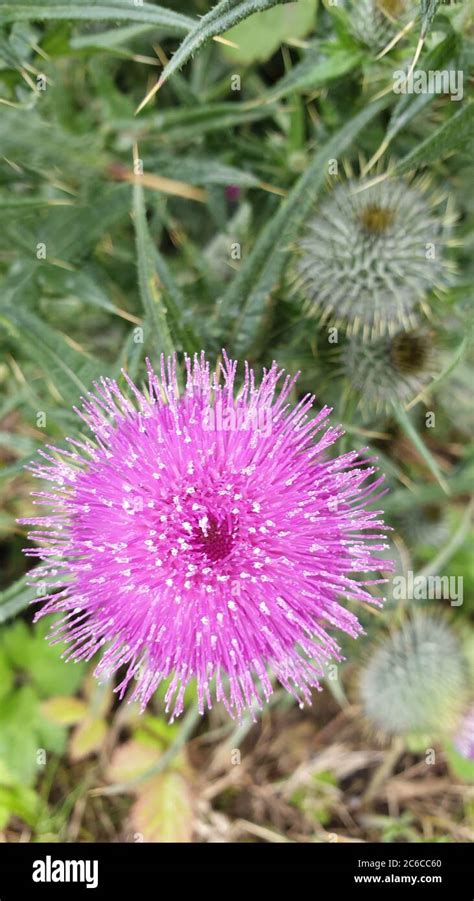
[(435, 566)]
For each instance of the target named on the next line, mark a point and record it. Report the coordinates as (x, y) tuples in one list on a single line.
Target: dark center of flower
[(375, 219), (409, 353), (432, 513), (214, 538)]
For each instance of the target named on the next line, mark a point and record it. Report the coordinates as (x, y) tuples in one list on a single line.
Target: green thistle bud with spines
[(390, 369), (372, 253), (416, 681)]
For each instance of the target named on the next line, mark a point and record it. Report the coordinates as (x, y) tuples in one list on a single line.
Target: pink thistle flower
[(206, 535)]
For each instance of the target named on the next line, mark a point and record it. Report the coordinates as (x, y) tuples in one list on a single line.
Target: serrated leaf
[(164, 809), (410, 431), (184, 335), (71, 232)]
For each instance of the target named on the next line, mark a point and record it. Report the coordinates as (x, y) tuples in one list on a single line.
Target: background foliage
[(100, 267)]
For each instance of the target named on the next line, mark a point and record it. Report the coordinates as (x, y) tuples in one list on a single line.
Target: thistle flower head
[(371, 254), (416, 680), (375, 22), (392, 368), (206, 535)]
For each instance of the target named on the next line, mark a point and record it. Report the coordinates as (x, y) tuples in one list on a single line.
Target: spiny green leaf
[(183, 332), (150, 292), (97, 10), (454, 134), (315, 69), (222, 17), (69, 369), (428, 9)]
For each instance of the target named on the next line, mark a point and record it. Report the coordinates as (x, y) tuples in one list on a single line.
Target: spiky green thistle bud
[(372, 253), (416, 681), (390, 369)]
